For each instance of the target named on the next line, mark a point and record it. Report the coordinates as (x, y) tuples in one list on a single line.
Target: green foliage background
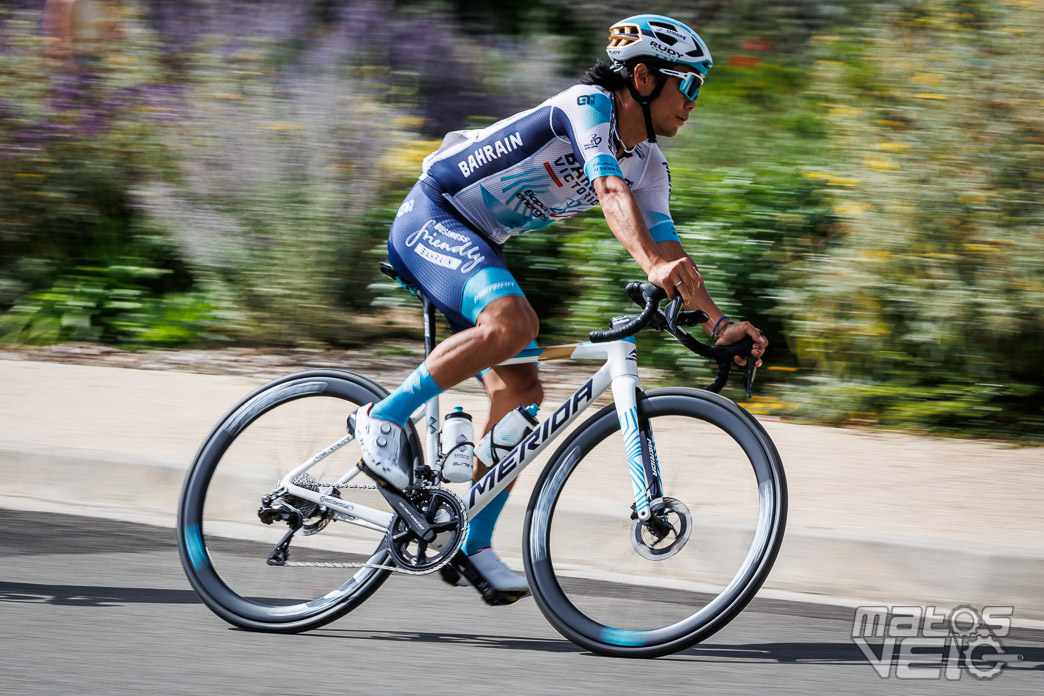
[(863, 182)]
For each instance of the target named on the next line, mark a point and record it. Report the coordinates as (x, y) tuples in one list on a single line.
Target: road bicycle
[(651, 526)]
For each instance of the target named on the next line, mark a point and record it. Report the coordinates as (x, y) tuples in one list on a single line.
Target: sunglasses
[(690, 82)]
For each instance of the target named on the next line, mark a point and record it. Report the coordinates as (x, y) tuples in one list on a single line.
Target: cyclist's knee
[(509, 323)]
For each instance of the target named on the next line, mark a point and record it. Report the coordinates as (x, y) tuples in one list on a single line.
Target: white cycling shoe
[(382, 443), (496, 573), (484, 571)]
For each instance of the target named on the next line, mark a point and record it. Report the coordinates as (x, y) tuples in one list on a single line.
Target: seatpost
[(429, 326)]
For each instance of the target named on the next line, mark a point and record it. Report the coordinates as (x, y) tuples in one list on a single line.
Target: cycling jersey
[(526, 171), (481, 187)]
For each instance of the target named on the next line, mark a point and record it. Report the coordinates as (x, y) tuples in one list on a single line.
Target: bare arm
[(666, 264), (675, 275)]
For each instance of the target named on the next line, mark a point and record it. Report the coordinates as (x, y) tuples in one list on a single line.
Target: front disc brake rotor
[(664, 533)]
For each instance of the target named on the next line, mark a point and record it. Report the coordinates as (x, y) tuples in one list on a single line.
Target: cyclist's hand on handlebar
[(677, 277), (736, 332)]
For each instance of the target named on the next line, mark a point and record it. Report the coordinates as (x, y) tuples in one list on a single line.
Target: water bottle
[(506, 434), (458, 443)]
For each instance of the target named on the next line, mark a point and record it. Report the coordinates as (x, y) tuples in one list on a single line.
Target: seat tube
[(429, 325), (431, 407), (623, 363)]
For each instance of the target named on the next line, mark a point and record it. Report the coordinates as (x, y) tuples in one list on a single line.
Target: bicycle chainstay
[(306, 481)]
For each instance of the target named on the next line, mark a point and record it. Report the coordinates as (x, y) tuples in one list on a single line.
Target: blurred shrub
[(111, 304), (74, 139), (926, 311), (863, 182)]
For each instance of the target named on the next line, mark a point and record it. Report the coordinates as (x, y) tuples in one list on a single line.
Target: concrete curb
[(814, 562)]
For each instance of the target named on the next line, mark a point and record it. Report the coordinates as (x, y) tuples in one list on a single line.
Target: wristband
[(714, 331)]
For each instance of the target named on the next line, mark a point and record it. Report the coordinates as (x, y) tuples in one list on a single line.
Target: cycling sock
[(480, 527), (398, 406)]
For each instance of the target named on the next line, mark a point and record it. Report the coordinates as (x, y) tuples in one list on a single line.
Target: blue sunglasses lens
[(690, 86)]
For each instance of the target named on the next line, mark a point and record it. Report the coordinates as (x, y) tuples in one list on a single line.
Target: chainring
[(449, 519)]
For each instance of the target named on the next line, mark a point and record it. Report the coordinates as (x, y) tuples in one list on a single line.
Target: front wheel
[(223, 540), (621, 586)]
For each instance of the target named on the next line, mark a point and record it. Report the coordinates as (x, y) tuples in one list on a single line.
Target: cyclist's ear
[(643, 78)]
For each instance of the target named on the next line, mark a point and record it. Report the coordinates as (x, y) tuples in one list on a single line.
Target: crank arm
[(409, 514)]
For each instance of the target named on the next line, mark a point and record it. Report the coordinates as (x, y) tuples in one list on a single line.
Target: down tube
[(490, 485)]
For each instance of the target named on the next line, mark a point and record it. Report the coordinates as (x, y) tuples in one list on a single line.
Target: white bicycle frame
[(620, 371)]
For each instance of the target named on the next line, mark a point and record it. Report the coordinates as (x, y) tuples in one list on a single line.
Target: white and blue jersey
[(527, 171), (517, 175)]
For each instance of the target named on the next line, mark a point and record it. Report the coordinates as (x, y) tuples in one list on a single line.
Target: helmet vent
[(695, 53), (624, 35), (666, 38)]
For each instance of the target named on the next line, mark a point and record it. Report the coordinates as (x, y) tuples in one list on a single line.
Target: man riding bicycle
[(593, 144)]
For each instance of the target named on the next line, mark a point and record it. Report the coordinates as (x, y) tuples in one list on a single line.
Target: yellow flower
[(927, 79), (880, 164), (851, 209), (974, 197)]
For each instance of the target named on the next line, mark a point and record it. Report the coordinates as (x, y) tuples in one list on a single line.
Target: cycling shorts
[(439, 252)]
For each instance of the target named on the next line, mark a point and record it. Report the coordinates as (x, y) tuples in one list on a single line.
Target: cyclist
[(593, 144)]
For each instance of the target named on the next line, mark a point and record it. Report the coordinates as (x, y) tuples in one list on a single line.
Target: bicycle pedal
[(465, 573), (451, 576), (500, 599)]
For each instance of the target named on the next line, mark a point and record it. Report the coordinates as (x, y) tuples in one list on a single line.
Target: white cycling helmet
[(656, 36), (661, 42)]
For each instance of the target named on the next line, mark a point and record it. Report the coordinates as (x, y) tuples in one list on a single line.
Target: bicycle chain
[(375, 566), (378, 566)]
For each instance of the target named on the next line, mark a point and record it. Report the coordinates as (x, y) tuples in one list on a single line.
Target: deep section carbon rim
[(621, 586), (224, 546)]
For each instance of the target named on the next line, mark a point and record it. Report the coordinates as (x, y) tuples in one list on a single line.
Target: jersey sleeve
[(584, 115), (653, 197)]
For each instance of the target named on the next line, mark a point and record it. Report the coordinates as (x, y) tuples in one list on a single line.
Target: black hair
[(603, 75), (607, 77)]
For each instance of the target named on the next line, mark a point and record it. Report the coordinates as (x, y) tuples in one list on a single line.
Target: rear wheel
[(225, 547), (621, 586)]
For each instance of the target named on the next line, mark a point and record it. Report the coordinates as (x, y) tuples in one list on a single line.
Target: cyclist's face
[(671, 109)]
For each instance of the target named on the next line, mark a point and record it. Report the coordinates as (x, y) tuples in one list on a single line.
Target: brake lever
[(671, 313), (752, 369)]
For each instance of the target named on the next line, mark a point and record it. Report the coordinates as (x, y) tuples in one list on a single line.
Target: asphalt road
[(92, 606)]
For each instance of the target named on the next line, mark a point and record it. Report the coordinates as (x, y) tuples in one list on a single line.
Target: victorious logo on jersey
[(489, 153)]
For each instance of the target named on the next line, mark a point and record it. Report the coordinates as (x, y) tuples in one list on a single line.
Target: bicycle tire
[(575, 604), (213, 574)]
